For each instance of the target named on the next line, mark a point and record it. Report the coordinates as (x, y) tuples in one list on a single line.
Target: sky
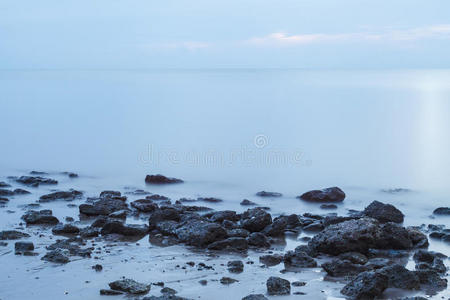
[(326, 34)]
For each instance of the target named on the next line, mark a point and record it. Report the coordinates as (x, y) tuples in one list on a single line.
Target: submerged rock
[(60, 256), (63, 195), (4, 184), (200, 233), (35, 181), (42, 217), (130, 286), (278, 286), (125, 230), (12, 235), (227, 280), (431, 281), (383, 212), (366, 285), (144, 205), (210, 199), (255, 297), (247, 202), (24, 248), (442, 211), (65, 229), (232, 244), (161, 179), (269, 194), (354, 257), (235, 266), (104, 207), (341, 268), (332, 194), (298, 259), (328, 206), (271, 260)]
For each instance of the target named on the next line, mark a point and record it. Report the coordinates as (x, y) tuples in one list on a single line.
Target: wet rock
[(277, 228), (97, 267), (210, 200), (165, 297), (72, 245), (21, 192), (418, 239), (130, 286), (38, 173), (268, 194), (235, 266), (341, 268), (298, 283), (60, 256), (3, 201), (163, 214), (104, 207), (139, 192), (333, 194), (393, 236), (259, 240), (366, 285), (120, 214), (378, 263), (35, 181), (328, 206), (227, 280), (65, 229), (4, 184), (5, 192), (42, 217), (63, 195), (157, 197), (298, 259), (271, 260), (428, 260), (354, 257), (110, 194), (220, 216), (255, 219), (431, 281), (247, 202), (12, 235), (3, 244), (278, 286), (383, 212), (144, 205), (443, 211), (314, 227), (238, 232), (161, 179), (125, 230), (168, 291), (200, 233), (23, 248), (255, 297), (400, 277), (105, 292), (232, 244)]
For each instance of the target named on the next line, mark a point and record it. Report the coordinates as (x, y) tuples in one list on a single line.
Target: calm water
[(229, 134)]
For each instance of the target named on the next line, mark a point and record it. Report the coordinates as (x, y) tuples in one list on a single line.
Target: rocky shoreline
[(367, 251)]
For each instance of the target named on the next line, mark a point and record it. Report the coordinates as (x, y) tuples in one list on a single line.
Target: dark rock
[(97, 268), (333, 194), (400, 277), (130, 286), (3, 201), (163, 214), (200, 233), (12, 235), (161, 179), (60, 256), (110, 194), (331, 220), (396, 191), (255, 219), (232, 243), (4, 184), (126, 230), (65, 229), (277, 228), (168, 291), (43, 217), (35, 181), (418, 238), (255, 297), (235, 266), (328, 206), (366, 285), (431, 281), (314, 227), (298, 259), (220, 216), (393, 236), (5, 192), (104, 207), (259, 240), (23, 247), (354, 257), (378, 263), (341, 268), (64, 195), (278, 286), (157, 197), (268, 194), (203, 282), (38, 173), (120, 214), (298, 283), (227, 280), (210, 200), (21, 192), (238, 233), (271, 260), (106, 292), (383, 212), (445, 211), (247, 202)]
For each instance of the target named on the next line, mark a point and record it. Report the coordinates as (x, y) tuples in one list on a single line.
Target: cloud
[(285, 39)]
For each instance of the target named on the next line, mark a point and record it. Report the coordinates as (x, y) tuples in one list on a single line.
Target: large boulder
[(366, 285), (256, 219), (161, 179), (383, 212), (332, 194), (200, 233), (400, 277)]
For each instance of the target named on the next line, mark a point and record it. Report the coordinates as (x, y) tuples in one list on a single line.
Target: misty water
[(228, 133)]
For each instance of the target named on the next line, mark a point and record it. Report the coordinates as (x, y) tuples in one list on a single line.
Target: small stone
[(278, 286), (130, 286), (235, 266), (227, 280)]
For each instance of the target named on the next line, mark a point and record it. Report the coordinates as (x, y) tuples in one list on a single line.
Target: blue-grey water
[(228, 134)]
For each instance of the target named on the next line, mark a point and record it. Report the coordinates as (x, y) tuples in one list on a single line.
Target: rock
[(157, 197), (354, 257), (163, 214), (125, 230), (333, 194), (168, 291), (255, 297), (328, 206), (298, 259), (103, 207), (298, 283), (161, 179), (3, 201), (271, 260), (277, 228), (238, 232), (268, 194), (106, 292), (428, 260), (35, 181), (210, 200), (165, 297), (12, 235), (66, 196), (366, 285), (378, 263), (235, 266), (431, 280), (232, 244), (38, 173), (89, 232), (247, 202), (60, 256), (418, 238), (278, 286), (383, 212), (97, 268), (396, 191), (400, 277), (72, 247), (120, 214), (65, 229), (443, 211), (5, 192), (227, 280), (21, 192), (220, 216), (110, 194), (4, 184), (259, 240), (23, 247), (43, 217), (255, 219), (200, 233), (341, 268), (393, 236), (130, 286), (314, 227)]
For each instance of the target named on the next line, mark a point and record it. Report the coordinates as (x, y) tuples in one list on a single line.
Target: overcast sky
[(233, 33)]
